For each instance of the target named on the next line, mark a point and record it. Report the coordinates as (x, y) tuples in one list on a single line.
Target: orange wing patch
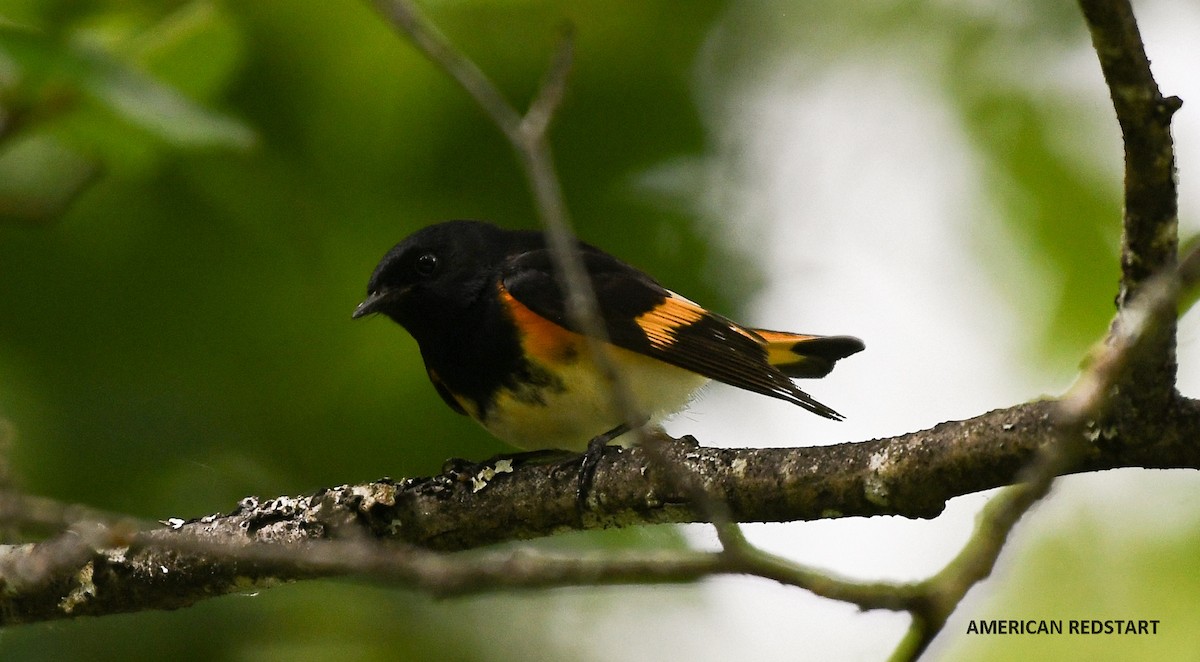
[(662, 322), (540, 338)]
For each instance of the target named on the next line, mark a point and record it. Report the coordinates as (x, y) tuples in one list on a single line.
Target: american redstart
[(486, 308)]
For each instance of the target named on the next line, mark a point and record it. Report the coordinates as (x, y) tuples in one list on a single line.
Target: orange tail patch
[(800, 355)]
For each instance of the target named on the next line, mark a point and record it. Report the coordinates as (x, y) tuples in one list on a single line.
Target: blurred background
[(193, 194)]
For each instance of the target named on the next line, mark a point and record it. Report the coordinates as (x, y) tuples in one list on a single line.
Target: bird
[(491, 320)]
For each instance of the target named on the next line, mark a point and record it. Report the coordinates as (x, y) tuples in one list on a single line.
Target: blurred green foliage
[(193, 193)]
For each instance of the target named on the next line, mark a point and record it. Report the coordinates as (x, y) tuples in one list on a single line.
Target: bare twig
[(425, 35)]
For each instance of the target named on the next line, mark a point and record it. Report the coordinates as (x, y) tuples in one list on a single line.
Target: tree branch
[(262, 543), (1150, 237), (1150, 233)]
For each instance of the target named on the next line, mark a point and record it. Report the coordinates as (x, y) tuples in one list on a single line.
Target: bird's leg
[(591, 461)]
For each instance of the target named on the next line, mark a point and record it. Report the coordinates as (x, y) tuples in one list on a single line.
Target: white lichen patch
[(480, 480), (486, 474), (875, 487), (84, 589), (477, 484), (374, 494), (285, 503)]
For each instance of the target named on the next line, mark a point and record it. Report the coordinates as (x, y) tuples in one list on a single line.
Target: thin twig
[(434, 45), (553, 90)]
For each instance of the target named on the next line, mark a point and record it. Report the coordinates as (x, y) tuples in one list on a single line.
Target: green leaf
[(159, 109), (131, 94)]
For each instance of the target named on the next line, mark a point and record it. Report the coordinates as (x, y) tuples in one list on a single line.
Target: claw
[(591, 461)]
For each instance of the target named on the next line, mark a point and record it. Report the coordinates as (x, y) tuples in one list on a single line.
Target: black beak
[(371, 304)]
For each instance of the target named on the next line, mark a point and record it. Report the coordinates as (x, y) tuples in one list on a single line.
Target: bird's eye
[(426, 264)]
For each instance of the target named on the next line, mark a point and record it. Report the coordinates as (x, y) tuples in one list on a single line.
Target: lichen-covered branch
[(263, 542)]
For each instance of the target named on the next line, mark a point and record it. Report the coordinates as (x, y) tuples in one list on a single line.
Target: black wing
[(642, 316)]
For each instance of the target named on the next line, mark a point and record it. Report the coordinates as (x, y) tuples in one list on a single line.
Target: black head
[(434, 274)]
